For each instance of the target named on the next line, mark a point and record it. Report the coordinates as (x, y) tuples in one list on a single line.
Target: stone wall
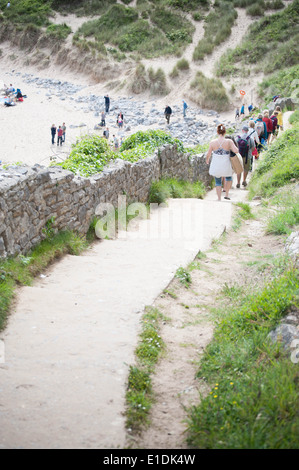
[(30, 196)]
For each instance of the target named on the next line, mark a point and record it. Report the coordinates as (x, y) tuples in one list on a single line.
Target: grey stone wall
[(30, 196)]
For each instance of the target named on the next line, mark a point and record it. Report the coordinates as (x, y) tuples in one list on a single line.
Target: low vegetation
[(218, 24), (209, 92), (139, 395), (149, 80), (283, 82), (90, 154), (278, 32), (172, 188), (253, 401)]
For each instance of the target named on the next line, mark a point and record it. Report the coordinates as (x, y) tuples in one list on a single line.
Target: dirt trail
[(190, 328)]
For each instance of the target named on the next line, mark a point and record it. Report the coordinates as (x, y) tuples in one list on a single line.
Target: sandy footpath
[(71, 336)]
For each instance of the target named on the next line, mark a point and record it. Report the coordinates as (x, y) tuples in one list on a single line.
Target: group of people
[(253, 138), (12, 95), (60, 134)]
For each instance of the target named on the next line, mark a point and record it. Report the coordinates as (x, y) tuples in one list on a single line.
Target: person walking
[(253, 134), (246, 145), (120, 119), (59, 135), (53, 133), (269, 125), (107, 103), (279, 118), (167, 112), (63, 127), (219, 150), (106, 133), (185, 106), (103, 121)]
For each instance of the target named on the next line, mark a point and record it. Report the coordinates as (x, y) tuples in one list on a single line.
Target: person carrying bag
[(219, 154)]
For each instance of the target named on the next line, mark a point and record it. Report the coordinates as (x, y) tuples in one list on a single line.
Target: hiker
[(261, 129), (242, 112), (106, 133), (246, 145), (279, 118), (250, 108), (275, 98), (252, 133), (219, 150), (237, 115), (53, 133), (120, 120), (274, 119), (59, 136), (63, 127), (269, 125), (167, 112), (107, 103), (103, 117), (185, 106)]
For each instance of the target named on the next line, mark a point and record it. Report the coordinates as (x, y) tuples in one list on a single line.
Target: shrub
[(209, 92)]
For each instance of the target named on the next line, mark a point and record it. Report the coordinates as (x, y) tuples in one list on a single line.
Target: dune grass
[(218, 24), (278, 32), (209, 92)]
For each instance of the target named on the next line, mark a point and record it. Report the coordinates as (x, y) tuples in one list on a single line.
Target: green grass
[(253, 402), (286, 215), (167, 188), (21, 270), (92, 153), (158, 32), (244, 212), (218, 24), (278, 165), (278, 32), (139, 395), (209, 92), (283, 82)]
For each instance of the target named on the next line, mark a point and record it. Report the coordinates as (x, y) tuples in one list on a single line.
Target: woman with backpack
[(246, 145), (253, 134), (219, 150), (269, 125)]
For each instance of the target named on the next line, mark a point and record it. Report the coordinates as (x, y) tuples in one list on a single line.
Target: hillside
[(146, 48)]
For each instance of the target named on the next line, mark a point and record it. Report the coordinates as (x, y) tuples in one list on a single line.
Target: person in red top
[(269, 125), (59, 134)]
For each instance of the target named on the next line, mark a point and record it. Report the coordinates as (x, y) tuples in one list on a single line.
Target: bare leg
[(228, 185), (218, 191)]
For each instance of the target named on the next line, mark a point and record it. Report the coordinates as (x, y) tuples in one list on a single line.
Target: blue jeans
[(218, 181)]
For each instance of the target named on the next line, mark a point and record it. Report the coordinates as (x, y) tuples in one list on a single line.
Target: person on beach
[(167, 112), (219, 150), (103, 119), (185, 106), (63, 127), (106, 133), (59, 136), (120, 119), (107, 103), (53, 133)]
